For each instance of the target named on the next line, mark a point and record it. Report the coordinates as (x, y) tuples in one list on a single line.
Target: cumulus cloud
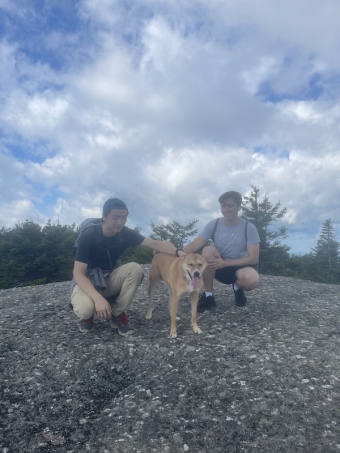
[(167, 105)]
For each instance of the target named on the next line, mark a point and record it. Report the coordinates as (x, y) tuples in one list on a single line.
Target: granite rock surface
[(263, 378)]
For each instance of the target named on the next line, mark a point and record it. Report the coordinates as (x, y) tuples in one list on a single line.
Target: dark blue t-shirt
[(97, 250)]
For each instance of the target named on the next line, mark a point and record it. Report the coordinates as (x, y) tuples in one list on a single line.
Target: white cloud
[(168, 105), (19, 211), (163, 46), (302, 110)]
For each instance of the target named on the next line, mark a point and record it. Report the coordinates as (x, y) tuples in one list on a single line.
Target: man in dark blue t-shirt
[(99, 248)]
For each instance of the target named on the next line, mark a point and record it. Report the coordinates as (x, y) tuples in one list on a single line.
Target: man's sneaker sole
[(243, 304), (86, 327), (121, 332), (121, 323)]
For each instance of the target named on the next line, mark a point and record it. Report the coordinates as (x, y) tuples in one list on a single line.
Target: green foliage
[(173, 232), (322, 264), (262, 213), (30, 254), (139, 254)]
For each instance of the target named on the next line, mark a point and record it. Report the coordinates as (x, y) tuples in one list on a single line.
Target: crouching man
[(233, 259), (97, 280)]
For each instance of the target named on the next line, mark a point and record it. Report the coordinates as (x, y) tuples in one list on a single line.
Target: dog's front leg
[(194, 302), (173, 313)]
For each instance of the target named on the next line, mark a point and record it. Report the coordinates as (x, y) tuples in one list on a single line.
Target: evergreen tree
[(262, 213), (301, 266), (19, 249), (326, 255), (326, 251), (174, 232), (31, 255), (322, 264), (58, 245)]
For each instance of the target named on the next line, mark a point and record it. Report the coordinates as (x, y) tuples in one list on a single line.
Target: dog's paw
[(173, 334), (148, 315), (178, 318), (196, 329)]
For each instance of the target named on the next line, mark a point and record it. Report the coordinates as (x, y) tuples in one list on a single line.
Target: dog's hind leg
[(154, 278), (194, 302)]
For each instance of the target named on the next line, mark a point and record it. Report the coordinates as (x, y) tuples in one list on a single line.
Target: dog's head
[(194, 266)]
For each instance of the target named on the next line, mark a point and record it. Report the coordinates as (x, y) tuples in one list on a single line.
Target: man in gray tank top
[(234, 257)]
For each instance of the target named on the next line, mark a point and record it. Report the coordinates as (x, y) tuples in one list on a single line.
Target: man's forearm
[(166, 247), (190, 248)]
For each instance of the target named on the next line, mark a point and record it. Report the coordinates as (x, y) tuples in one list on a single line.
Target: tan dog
[(182, 276)]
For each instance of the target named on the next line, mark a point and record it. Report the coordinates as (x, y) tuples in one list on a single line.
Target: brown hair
[(236, 196)]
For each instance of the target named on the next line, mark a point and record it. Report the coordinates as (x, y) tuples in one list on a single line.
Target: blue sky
[(168, 104)]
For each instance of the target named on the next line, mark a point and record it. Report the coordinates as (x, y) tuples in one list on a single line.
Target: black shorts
[(227, 275)]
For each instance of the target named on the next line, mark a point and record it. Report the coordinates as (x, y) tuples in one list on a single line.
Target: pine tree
[(173, 232), (263, 213), (326, 252)]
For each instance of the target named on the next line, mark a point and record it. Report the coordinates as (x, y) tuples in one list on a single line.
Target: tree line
[(31, 254)]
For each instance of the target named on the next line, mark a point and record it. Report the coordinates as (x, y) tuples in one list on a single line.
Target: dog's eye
[(191, 264), (200, 264)]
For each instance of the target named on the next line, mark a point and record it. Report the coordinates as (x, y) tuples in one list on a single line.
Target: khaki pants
[(125, 279)]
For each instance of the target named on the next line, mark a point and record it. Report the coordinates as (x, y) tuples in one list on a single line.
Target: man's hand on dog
[(103, 308)]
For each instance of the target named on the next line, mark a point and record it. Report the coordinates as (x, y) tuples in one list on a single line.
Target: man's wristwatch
[(178, 250)]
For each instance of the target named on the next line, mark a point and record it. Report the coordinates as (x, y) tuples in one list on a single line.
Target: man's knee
[(210, 252), (136, 270), (253, 282), (248, 279), (83, 307)]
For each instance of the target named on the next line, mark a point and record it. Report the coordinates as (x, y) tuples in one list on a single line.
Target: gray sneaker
[(121, 323), (86, 325)]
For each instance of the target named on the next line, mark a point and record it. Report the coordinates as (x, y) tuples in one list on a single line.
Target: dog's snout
[(196, 274)]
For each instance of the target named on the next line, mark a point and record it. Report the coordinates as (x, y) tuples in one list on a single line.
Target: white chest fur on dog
[(182, 276)]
